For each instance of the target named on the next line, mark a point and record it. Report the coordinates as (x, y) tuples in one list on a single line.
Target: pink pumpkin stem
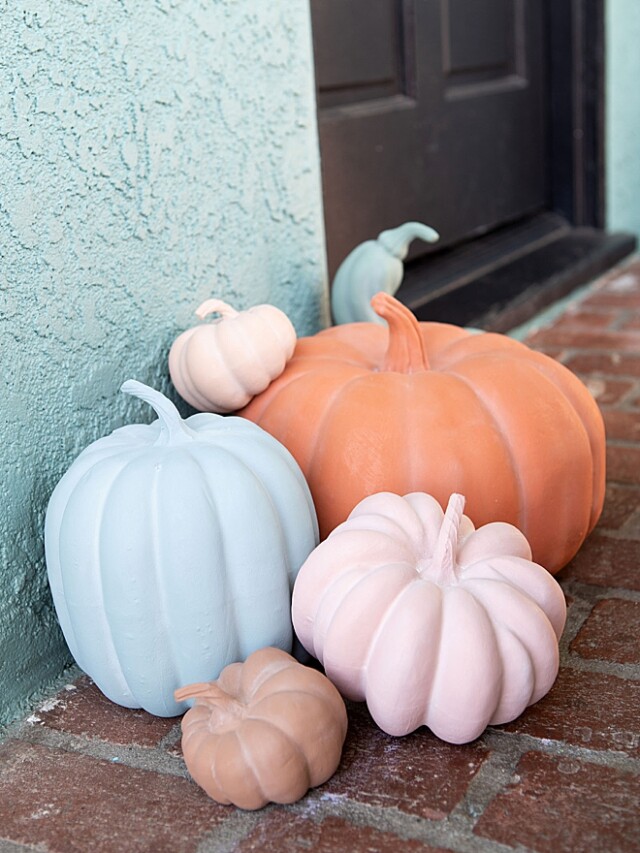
[(209, 306), (406, 351), (443, 562)]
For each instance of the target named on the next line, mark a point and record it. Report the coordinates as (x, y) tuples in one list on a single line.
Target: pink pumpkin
[(429, 620)]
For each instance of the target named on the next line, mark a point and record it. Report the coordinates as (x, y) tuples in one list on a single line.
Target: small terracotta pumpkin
[(429, 620), (435, 408), (266, 731), (171, 551), (220, 366)]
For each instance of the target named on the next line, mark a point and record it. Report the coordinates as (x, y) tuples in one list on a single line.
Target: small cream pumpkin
[(220, 366), (429, 620)]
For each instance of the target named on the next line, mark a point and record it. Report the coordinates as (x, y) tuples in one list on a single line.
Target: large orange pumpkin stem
[(406, 351)]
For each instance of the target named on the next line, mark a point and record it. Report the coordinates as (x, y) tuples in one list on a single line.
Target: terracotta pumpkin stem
[(210, 692), (406, 352), (209, 306), (173, 429), (444, 554)]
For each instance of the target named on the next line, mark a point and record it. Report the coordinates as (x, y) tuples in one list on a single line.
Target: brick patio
[(83, 774)]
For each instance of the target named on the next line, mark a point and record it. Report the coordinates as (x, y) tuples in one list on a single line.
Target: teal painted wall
[(623, 115), (152, 154)]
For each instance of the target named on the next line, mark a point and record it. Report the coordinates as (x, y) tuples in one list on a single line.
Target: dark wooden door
[(429, 110)]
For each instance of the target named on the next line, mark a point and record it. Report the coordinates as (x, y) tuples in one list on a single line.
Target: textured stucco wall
[(152, 153), (623, 115)]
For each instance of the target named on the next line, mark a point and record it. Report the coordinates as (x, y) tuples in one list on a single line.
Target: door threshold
[(502, 280)]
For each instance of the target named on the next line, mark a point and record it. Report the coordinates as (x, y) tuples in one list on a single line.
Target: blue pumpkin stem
[(396, 240), (172, 428)]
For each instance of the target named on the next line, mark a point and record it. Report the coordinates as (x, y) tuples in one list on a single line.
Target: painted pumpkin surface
[(220, 366), (436, 408), (172, 548), (427, 619), (266, 731)]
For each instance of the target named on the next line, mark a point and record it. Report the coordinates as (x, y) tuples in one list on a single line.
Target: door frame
[(577, 110)]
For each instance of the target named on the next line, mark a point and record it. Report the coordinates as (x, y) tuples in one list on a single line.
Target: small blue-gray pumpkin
[(172, 549)]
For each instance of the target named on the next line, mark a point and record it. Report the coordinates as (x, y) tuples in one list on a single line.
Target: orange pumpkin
[(436, 408)]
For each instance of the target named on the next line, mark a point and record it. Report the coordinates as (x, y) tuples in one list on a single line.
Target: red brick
[(68, 802), (417, 774), (586, 709), (281, 830), (611, 632), (611, 299), (555, 804), (605, 561), (597, 320), (609, 392), (632, 323), (578, 339), (609, 364), (620, 504), (86, 712), (622, 425), (623, 464)]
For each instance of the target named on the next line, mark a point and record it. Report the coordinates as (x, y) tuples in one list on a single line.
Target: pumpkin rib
[(496, 719), (100, 540), (527, 603), (495, 564), (561, 402), (317, 694), (339, 391), (521, 513), (343, 611), (408, 591), (180, 356), (263, 785), (105, 627), (301, 755), (522, 597), (160, 612), (360, 579), (446, 355), (256, 787), (251, 354), (261, 404), (261, 680), (278, 517), (217, 354), (233, 630), (575, 391), (442, 680), (211, 753)]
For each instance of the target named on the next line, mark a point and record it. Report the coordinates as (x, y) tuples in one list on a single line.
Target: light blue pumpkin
[(373, 266), (172, 549)]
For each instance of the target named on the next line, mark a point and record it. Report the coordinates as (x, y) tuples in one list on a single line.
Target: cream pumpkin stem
[(209, 306), (173, 429), (443, 562), (406, 352)]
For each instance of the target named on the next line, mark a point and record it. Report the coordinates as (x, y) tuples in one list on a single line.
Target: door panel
[(430, 110)]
